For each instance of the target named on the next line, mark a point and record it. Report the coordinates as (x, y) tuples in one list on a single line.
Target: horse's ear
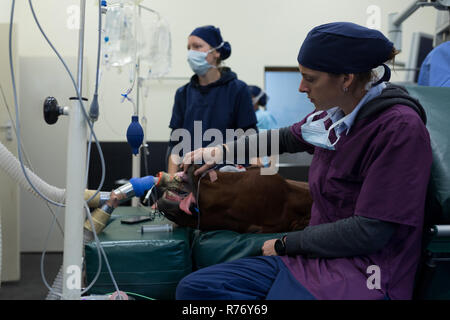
[(254, 229)]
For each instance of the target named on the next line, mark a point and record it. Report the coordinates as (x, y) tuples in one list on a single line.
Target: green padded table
[(209, 248), (149, 264), (438, 281)]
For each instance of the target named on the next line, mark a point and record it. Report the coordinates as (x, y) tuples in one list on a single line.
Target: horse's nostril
[(181, 176)]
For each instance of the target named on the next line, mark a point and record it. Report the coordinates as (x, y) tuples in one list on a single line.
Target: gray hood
[(392, 95)]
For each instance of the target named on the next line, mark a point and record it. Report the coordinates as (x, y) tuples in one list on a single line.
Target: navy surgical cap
[(213, 37), (344, 47), (256, 91)]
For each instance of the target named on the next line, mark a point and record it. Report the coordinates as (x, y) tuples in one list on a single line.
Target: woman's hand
[(268, 248), (210, 156)]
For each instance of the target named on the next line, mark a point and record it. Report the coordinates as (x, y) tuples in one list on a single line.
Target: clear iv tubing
[(100, 248), (45, 250), (98, 244), (97, 74), (125, 95), (100, 252), (135, 75), (94, 108)]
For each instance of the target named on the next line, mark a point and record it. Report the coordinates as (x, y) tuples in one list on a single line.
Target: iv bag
[(119, 41), (155, 46)]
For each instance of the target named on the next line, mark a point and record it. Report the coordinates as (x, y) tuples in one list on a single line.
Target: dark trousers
[(252, 278)]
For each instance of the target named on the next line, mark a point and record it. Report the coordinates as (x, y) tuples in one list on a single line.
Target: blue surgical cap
[(213, 37), (344, 47), (256, 91)]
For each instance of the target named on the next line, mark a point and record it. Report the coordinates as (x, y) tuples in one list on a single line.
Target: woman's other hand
[(210, 156), (268, 248)]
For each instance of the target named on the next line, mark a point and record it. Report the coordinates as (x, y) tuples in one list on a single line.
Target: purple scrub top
[(379, 170)]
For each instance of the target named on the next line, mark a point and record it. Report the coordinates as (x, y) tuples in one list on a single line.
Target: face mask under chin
[(315, 133)]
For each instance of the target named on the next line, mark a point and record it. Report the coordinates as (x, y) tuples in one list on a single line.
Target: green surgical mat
[(214, 247), (149, 264)]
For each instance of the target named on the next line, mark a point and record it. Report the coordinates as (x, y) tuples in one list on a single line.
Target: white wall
[(9, 191), (49, 156), (261, 32)]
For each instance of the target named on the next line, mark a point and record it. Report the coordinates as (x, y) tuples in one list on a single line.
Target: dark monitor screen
[(421, 45), (285, 102)]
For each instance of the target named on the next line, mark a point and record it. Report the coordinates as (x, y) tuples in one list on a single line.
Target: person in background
[(213, 98), (435, 70), (368, 180), (265, 119)]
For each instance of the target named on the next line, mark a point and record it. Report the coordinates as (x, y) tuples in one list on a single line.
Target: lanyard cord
[(197, 209)]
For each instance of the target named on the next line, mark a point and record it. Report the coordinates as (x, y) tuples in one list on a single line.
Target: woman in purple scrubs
[(368, 179)]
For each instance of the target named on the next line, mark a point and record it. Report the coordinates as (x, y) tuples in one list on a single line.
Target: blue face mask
[(198, 63), (197, 60), (314, 132)]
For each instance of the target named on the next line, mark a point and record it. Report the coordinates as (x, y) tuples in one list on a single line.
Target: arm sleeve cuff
[(347, 237)]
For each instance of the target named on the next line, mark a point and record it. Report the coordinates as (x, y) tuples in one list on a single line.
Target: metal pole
[(81, 46), (413, 7), (395, 21), (148, 9), (136, 159), (76, 169), (407, 12)]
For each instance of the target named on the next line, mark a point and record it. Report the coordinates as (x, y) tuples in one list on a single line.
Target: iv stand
[(136, 159), (76, 168)]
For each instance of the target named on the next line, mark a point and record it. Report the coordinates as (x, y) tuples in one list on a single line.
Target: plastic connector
[(94, 109), (141, 185)]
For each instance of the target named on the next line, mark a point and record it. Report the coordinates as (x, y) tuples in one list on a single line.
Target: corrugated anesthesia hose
[(11, 165), (55, 292), (136, 187)]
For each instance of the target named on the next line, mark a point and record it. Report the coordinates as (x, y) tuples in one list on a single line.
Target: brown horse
[(245, 202)]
